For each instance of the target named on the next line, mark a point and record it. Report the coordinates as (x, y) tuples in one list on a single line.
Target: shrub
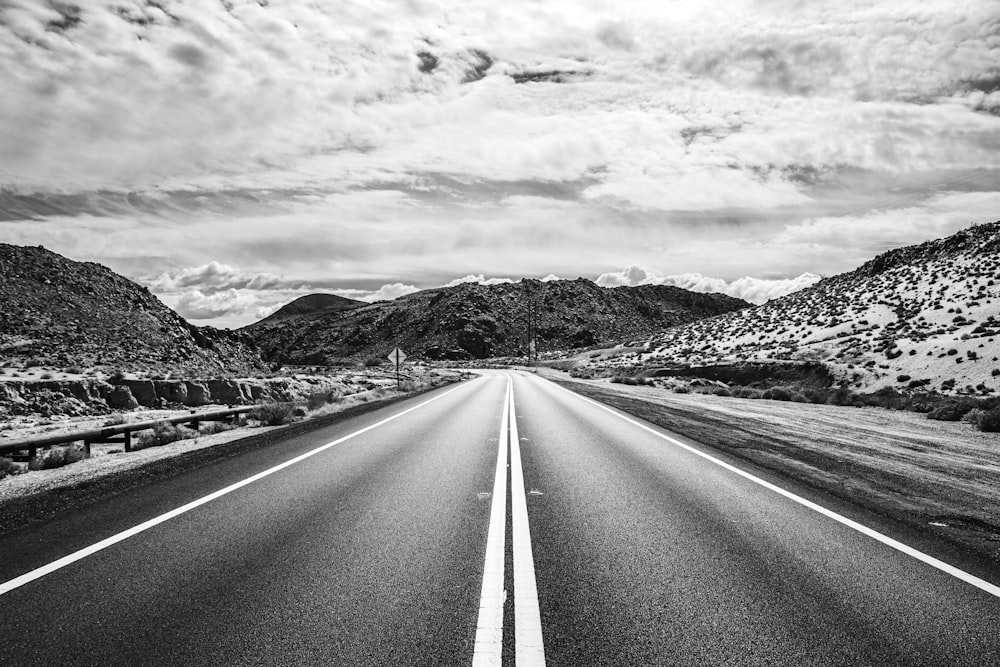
[(317, 399), (114, 420), (721, 391), (164, 433), (56, 457), (116, 377), (745, 392), (272, 414), (371, 362), (8, 467), (989, 422), (208, 428), (841, 396), (681, 389), (952, 411), (815, 396), (777, 394), (903, 378)]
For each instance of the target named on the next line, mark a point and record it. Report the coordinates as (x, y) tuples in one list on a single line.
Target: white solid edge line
[(981, 584), (40, 572), (529, 649), (489, 624)]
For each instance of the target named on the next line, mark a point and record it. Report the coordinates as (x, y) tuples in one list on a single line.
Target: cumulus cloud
[(214, 277), (754, 290), (479, 279), (390, 292), (195, 305)]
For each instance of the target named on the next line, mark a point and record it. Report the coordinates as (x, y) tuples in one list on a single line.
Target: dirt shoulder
[(931, 475)]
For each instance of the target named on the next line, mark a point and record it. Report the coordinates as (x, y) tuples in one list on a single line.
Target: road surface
[(501, 521)]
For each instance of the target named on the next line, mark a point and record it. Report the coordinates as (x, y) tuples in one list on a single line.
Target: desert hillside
[(472, 321), (84, 318), (924, 316)]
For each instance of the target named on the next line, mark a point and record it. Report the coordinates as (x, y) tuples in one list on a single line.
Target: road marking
[(981, 584), (489, 625), (528, 646), (38, 573)]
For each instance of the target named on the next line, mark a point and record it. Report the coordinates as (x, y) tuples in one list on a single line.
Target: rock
[(121, 398), (197, 394), (172, 391), (143, 390), (229, 392)]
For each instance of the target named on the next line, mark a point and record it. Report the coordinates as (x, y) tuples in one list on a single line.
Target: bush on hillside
[(777, 394), (989, 421), (952, 411)]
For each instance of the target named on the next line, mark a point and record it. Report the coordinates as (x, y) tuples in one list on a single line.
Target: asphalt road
[(372, 551)]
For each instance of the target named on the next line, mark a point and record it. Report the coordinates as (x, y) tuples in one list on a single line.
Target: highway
[(504, 520)]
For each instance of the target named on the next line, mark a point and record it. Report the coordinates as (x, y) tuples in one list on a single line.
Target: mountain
[(925, 316), (312, 304), (64, 314), (472, 321)]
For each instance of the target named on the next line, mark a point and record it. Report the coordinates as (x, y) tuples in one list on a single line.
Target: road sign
[(397, 357)]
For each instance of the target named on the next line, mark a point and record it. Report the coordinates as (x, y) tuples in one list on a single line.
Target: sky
[(232, 155)]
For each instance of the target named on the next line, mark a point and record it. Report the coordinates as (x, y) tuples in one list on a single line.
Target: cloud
[(390, 292), (754, 290), (214, 277), (195, 305), (479, 279)]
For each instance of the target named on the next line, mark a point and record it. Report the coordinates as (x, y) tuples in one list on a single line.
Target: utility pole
[(531, 330)]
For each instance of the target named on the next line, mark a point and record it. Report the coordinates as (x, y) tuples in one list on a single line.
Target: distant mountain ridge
[(61, 313), (473, 321), (920, 317)]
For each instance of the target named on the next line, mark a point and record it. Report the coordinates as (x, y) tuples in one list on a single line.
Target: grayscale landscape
[(433, 333)]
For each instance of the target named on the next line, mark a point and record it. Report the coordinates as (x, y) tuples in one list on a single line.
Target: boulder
[(197, 394), (229, 392), (144, 391), (121, 398), (172, 391)]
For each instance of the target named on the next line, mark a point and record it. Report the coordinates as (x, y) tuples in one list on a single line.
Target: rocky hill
[(81, 316), (472, 321), (919, 317), (312, 304)]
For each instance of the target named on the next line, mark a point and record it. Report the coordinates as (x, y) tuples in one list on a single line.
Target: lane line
[(529, 649), (40, 572), (489, 625), (971, 579)]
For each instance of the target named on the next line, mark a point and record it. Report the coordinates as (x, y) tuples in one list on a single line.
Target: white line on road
[(38, 573), (489, 626), (528, 647), (865, 530)]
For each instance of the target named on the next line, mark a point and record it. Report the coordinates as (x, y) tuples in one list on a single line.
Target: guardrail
[(110, 434)]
